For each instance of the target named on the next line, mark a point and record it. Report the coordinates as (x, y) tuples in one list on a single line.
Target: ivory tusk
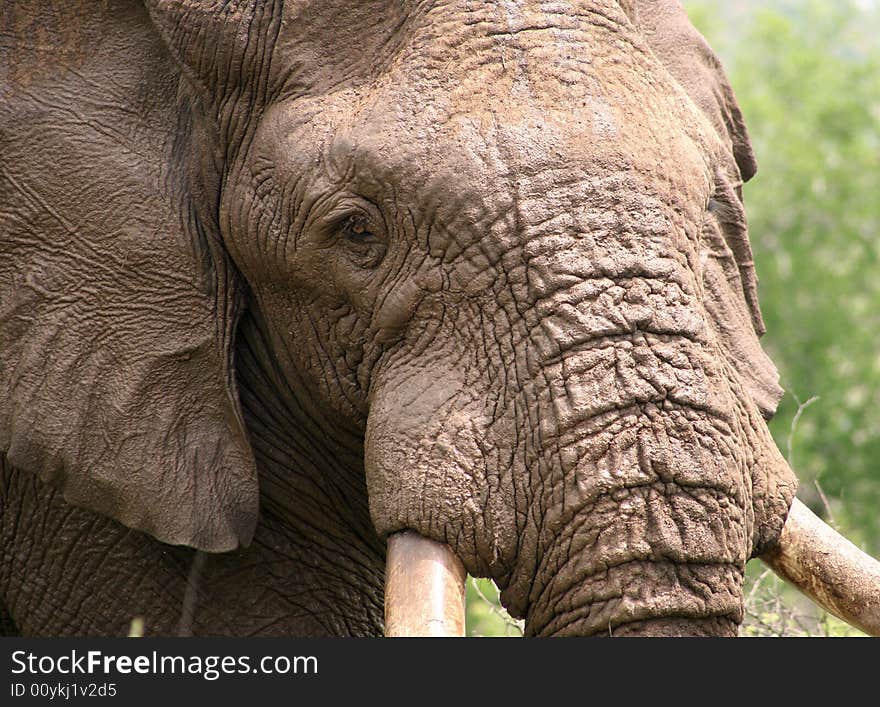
[(424, 588), (828, 568)]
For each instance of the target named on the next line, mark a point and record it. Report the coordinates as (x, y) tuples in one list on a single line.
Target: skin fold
[(283, 278)]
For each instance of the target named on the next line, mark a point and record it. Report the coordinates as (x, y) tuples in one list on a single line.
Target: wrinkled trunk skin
[(597, 455), (612, 438)]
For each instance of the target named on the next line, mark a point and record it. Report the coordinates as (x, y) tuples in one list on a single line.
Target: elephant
[(282, 279)]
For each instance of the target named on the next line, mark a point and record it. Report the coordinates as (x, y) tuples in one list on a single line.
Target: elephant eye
[(355, 228), (366, 246)]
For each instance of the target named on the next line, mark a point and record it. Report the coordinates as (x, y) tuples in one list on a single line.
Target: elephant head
[(495, 254)]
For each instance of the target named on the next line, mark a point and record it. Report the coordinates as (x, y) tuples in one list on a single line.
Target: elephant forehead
[(481, 101), (367, 37), (518, 91)]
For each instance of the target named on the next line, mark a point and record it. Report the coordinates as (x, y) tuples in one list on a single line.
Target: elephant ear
[(118, 304), (729, 277)]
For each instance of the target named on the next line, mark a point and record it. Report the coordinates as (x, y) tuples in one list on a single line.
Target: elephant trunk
[(602, 478), (654, 560), (565, 413)]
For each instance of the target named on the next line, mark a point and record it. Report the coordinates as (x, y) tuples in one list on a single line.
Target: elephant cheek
[(427, 470)]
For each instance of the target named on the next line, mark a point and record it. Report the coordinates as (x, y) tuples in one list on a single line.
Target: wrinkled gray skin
[(281, 278)]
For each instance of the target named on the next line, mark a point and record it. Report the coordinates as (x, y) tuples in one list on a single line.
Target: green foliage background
[(807, 77)]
